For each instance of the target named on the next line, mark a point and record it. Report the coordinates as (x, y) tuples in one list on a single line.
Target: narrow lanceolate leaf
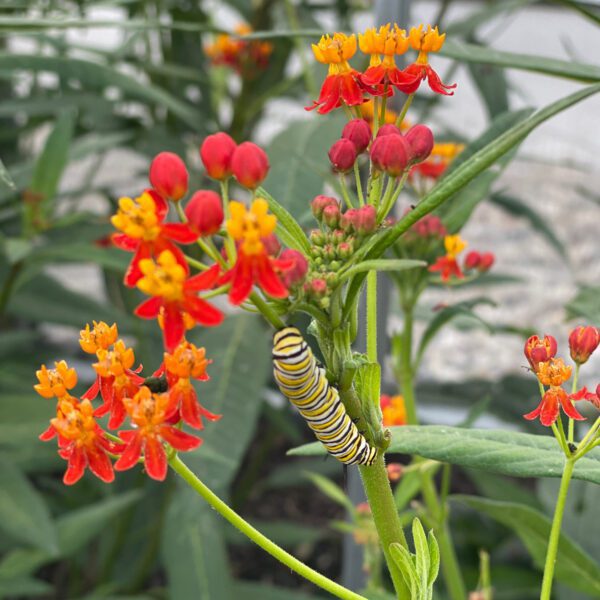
[(468, 170), (462, 52), (518, 208), (382, 264), (496, 451), (331, 490), (403, 558), (97, 76), (23, 514), (287, 228), (421, 553), (434, 558), (573, 566), (5, 177)]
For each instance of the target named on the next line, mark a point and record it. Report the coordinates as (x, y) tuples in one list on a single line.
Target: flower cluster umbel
[(552, 373)]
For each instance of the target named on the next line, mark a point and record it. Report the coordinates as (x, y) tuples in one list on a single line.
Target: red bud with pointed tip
[(342, 155), (250, 165), (358, 132), (390, 154), (582, 343), (388, 129), (168, 176), (420, 140), (216, 152), (205, 212)]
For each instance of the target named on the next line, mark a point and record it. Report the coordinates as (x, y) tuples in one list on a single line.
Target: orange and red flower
[(250, 229), (555, 398), (342, 84), (174, 295), (393, 410), (150, 414), (424, 42), (447, 265), (539, 351), (185, 363), (144, 232), (83, 443)]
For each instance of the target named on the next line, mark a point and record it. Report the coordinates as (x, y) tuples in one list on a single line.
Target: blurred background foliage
[(81, 116)]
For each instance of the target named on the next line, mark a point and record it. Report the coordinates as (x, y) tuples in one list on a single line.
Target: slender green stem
[(573, 390), (372, 316), (388, 204), (267, 311), (376, 108), (382, 112), (196, 263), (406, 373), (345, 192), (555, 531), (258, 538), (583, 445), (361, 198), (404, 110), (229, 242)]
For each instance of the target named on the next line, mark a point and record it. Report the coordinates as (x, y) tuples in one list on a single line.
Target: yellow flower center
[(454, 245), (424, 42), (186, 361), (137, 218), (76, 422), (114, 362), (335, 51), (163, 278), (553, 372), (101, 336), (385, 41), (147, 409), (55, 382), (250, 226)]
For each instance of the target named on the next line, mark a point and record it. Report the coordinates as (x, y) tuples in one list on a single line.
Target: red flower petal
[(534, 414), (100, 464), (350, 90), (161, 206), (203, 281), (570, 409), (75, 466), (180, 232), (549, 409), (180, 440), (269, 281), (124, 242), (203, 312), (134, 274), (241, 280), (435, 83), (149, 309), (47, 435), (173, 326), (133, 451), (93, 390), (155, 459)]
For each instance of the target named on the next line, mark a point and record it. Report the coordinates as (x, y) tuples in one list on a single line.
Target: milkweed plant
[(381, 215)]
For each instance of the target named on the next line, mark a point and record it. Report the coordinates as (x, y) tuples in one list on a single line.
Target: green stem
[(196, 263), (267, 311), (229, 243), (404, 110), (573, 390), (555, 531), (372, 316), (406, 374), (345, 194), (361, 198), (388, 204), (583, 449), (258, 538)]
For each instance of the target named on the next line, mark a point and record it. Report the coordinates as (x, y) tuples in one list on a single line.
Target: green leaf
[(96, 76), (403, 559), (573, 567), (5, 177), (331, 490), (24, 587), (585, 305), (287, 228), (467, 171), (497, 451), (444, 316), (194, 555), (299, 163), (383, 264), (421, 553), (434, 558), (51, 163), (240, 350), (23, 417), (472, 53), (518, 208), (499, 487), (23, 514)]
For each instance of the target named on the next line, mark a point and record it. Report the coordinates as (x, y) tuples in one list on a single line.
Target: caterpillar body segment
[(305, 385)]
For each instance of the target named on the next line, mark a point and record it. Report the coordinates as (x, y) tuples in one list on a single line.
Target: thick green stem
[(573, 390), (258, 538), (372, 316), (266, 310), (404, 110), (555, 531)]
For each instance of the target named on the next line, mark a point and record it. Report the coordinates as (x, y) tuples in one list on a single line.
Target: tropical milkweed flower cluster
[(244, 56), (448, 266), (126, 396), (393, 410), (552, 372), (344, 85)]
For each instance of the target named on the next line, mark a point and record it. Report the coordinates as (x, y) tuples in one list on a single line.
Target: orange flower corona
[(553, 372), (55, 383), (187, 361), (137, 218), (100, 337), (393, 410), (163, 278)]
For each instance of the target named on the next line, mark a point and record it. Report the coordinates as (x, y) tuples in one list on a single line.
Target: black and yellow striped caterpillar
[(303, 382)]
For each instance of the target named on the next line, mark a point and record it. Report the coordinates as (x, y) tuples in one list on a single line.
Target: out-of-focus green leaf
[(573, 566), (24, 587), (75, 529), (299, 163), (586, 305), (194, 556), (498, 487), (470, 53), (16, 249), (497, 451), (50, 165), (490, 11), (582, 9), (331, 490), (23, 513), (24, 417), (518, 208), (444, 316), (97, 76), (262, 591), (5, 177), (241, 358)]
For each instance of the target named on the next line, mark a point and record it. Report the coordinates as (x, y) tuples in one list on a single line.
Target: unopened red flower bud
[(487, 261), (538, 351), (216, 152), (318, 287), (342, 155), (420, 141), (250, 165), (295, 274), (390, 154), (204, 212), (388, 129), (582, 343), (348, 218), (331, 215), (168, 176), (366, 220), (319, 203), (272, 244), (394, 471), (317, 237), (345, 249), (329, 251), (338, 236), (358, 131), (472, 260)]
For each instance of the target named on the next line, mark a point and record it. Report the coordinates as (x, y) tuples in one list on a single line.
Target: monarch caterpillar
[(303, 382)]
